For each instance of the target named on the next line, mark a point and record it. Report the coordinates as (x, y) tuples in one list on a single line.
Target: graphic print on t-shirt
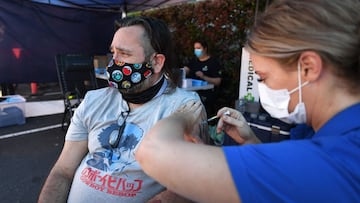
[(106, 170), (205, 68)]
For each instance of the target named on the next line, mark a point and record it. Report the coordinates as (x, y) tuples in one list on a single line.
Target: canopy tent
[(114, 5), (33, 32)]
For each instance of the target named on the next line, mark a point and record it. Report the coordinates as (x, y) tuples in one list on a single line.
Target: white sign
[(248, 86)]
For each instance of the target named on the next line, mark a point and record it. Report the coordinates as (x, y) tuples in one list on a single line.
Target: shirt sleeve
[(216, 69), (77, 131)]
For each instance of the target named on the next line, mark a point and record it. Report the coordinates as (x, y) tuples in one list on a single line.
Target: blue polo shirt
[(325, 168)]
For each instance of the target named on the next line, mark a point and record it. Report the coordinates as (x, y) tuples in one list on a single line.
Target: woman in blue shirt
[(307, 55)]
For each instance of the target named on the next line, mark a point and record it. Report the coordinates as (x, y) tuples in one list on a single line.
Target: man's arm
[(57, 185), (200, 135), (191, 170), (168, 196)]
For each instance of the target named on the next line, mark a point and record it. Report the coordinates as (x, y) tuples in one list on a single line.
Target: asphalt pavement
[(27, 153)]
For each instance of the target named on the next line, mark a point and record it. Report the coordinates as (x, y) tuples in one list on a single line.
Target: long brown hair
[(329, 27)]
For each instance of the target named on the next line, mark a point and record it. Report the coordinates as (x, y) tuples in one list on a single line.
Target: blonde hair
[(329, 27)]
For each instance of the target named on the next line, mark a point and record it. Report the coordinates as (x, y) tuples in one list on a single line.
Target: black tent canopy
[(33, 32), (114, 5)]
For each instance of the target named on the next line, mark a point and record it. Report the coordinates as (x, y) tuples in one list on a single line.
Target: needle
[(212, 118), (215, 117)]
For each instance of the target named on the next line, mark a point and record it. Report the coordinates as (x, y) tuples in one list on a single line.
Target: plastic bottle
[(242, 106)]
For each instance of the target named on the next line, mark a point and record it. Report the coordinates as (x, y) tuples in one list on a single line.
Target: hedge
[(223, 23)]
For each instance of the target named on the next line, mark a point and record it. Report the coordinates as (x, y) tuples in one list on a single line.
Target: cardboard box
[(101, 61)]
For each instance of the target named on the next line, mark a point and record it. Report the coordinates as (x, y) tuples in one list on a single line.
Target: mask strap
[(299, 84)]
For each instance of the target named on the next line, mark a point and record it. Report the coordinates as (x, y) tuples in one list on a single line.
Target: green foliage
[(223, 23)]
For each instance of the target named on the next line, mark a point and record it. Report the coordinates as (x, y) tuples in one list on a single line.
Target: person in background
[(307, 55), (207, 68), (97, 163)]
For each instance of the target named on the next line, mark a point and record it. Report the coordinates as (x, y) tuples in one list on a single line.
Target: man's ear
[(311, 65), (158, 63)]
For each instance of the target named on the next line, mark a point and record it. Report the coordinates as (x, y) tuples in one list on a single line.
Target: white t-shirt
[(109, 174)]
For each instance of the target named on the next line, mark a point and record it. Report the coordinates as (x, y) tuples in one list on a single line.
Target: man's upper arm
[(201, 129), (72, 154), (58, 183)]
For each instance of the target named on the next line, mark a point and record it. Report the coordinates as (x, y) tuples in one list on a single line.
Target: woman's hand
[(234, 124), (199, 74)]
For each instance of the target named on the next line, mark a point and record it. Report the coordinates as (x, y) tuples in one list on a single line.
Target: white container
[(186, 83), (12, 100), (12, 110)]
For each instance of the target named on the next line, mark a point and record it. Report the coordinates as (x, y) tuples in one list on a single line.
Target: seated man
[(97, 163)]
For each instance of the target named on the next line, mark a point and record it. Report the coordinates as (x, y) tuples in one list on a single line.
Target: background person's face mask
[(125, 75), (276, 102), (198, 52)]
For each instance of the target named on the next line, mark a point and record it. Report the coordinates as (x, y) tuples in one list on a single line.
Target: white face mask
[(276, 102)]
